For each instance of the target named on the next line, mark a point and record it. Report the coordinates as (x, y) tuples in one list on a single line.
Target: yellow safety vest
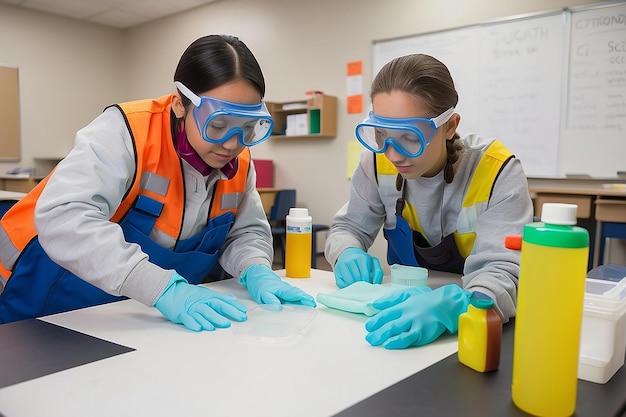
[(475, 200)]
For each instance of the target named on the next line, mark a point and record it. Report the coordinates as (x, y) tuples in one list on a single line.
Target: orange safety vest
[(158, 176)]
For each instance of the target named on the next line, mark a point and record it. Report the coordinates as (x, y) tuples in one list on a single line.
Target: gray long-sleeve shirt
[(490, 268), (72, 215)]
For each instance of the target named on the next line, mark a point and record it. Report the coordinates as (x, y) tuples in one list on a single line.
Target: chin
[(411, 174), (217, 163)]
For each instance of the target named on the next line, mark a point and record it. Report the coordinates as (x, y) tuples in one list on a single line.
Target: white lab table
[(177, 372), (11, 195)]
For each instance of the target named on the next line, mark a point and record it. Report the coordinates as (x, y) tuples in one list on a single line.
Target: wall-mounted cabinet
[(314, 118)]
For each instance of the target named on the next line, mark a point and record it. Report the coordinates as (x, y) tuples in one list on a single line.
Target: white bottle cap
[(298, 212), (559, 213)]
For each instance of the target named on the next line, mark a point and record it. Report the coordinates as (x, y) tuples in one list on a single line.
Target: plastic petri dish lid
[(412, 276), (269, 323)]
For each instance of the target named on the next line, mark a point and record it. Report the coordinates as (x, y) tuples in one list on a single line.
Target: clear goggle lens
[(408, 136), (220, 120)]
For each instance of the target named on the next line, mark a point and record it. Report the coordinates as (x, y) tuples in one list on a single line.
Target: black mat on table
[(33, 348)]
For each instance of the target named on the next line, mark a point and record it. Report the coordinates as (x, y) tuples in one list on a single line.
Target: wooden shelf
[(319, 117)]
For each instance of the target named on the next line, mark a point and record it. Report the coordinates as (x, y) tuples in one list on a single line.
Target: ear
[(177, 106), (452, 124)]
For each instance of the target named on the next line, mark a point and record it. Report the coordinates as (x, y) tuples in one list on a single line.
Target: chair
[(317, 227), (285, 199), (5, 205), (611, 217)]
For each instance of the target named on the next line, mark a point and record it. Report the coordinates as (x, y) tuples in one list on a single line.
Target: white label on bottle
[(298, 229)]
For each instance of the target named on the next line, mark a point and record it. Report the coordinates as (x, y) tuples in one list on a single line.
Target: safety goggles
[(408, 136), (219, 120)]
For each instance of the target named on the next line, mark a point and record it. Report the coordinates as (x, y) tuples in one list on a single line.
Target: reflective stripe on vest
[(474, 202)]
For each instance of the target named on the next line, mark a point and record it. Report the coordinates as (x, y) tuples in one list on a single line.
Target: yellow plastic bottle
[(299, 241), (553, 270), (480, 335)]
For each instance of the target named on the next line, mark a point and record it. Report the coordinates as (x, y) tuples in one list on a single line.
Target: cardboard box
[(297, 125), (603, 334), (264, 173)]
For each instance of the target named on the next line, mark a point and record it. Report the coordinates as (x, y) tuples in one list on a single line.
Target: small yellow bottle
[(299, 241), (480, 335)]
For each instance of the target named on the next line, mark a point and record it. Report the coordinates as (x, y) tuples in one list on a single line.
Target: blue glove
[(198, 308), (265, 287), (354, 265), (411, 318)]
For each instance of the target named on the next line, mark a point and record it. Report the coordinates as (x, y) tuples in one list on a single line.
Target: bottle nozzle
[(513, 242)]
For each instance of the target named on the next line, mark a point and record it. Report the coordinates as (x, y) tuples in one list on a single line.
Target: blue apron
[(39, 287), (408, 247)]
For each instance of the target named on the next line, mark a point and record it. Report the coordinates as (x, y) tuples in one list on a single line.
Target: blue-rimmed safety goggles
[(220, 120), (408, 136)]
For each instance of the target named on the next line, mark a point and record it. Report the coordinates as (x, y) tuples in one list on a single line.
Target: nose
[(232, 142), (393, 155)]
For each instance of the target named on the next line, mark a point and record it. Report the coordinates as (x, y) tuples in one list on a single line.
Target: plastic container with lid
[(409, 276), (609, 272), (603, 335)]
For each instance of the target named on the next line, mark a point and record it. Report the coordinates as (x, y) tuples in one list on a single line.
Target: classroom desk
[(588, 196), (176, 372), (584, 197), (449, 388), (330, 370)]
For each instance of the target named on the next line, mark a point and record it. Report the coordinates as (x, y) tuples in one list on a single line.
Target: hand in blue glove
[(410, 318), (265, 287), (354, 264), (198, 308)]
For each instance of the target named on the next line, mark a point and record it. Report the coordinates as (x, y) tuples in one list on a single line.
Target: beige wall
[(69, 70)]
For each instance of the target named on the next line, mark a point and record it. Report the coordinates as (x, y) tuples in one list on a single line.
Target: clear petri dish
[(268, 323)]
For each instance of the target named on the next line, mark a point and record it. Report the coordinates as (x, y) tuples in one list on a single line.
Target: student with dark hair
[(444, 202), (157, 195)]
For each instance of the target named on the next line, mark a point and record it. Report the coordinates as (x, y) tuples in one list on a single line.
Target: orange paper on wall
[(354, 80), (355, 103), (355, 68)]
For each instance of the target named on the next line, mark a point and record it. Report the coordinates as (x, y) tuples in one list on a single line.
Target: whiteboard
[(517, 82), (594, 138)]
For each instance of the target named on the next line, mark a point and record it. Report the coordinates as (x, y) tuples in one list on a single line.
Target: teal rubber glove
[(198, 308), (411, 318), (354, 264), (265, 287)]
